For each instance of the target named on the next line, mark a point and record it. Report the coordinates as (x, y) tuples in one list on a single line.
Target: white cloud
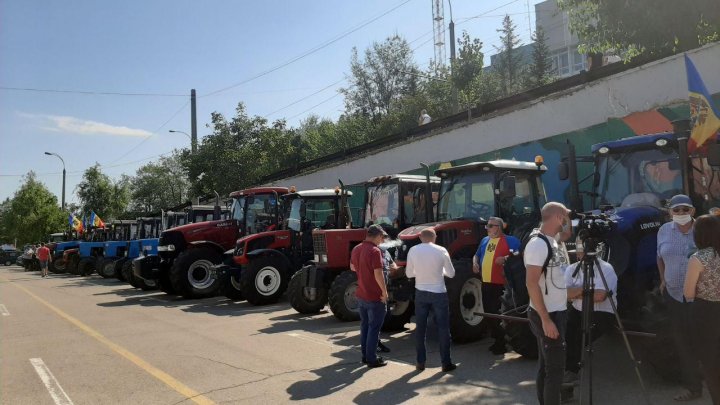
[(72, 125)]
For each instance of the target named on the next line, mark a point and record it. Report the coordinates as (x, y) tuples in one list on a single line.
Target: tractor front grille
[(319, 244)]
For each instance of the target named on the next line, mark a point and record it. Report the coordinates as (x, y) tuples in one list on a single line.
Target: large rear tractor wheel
[(519, 335), (398, 315), (343, 303), (106, 267), (264, 280), (306, 300), (659, 352), (191, 274), (465, 296), (72, 264), (119, 268), (86, 266), (52, 268), (127, 274), (231, 289)]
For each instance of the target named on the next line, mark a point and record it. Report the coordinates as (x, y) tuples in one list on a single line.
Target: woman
[(702, 287), (675, 243)]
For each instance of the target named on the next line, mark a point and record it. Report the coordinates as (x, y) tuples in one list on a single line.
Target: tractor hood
[(223, 233), (463, 226), (637, 219)]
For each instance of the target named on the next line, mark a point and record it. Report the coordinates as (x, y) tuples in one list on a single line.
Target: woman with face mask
[(675, 244)]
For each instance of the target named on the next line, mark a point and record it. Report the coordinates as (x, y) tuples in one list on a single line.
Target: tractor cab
[(150, 227), (399, 201)]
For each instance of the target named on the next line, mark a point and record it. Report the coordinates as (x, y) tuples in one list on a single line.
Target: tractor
[(187, 254), (263, 263), (121, 233), (394, 202)]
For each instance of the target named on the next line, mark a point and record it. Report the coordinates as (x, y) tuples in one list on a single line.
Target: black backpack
[(515, 272)]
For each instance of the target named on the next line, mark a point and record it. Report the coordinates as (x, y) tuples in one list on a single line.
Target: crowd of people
[(688, 258)]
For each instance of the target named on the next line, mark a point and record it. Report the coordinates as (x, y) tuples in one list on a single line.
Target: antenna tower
[(438, 14)]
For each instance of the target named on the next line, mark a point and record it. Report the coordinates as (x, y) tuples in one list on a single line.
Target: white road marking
[(4, 311), (56, 392)]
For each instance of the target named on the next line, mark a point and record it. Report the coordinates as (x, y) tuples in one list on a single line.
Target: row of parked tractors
[(276, 240)]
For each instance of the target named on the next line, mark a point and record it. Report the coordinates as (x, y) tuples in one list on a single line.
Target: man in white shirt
[(424, 118), (603, 318), (429, 264), (548, 300)]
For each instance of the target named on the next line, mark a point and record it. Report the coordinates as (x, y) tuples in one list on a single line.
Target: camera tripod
[(589, 266)]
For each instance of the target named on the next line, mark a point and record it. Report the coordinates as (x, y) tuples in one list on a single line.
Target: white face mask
[(682, 219)]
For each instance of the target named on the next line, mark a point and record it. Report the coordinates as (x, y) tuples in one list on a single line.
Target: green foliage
[(159, 185), (540, 71), (32, 214), (97, 192), (651, 27), (509, 60)]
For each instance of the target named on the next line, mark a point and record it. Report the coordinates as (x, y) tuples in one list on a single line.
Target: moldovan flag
[(76, 223), (96, 221), (704, 117)]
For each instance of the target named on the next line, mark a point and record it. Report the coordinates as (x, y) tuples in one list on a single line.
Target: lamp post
[(172, 131), (63, 185)]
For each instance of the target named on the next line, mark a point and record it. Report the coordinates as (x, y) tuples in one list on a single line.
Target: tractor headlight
[(603, 150), (661, 142)]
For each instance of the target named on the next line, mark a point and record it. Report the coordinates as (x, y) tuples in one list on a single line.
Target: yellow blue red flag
[(76, 224), (95, 220), (704, 116)]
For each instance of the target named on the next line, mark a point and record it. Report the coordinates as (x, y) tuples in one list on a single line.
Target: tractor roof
[(317, 193), (260, 190), (637, 141), (495, 165), (403, 178)]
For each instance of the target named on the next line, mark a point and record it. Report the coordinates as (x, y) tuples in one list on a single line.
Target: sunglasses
[(681, 209), (490, 226)]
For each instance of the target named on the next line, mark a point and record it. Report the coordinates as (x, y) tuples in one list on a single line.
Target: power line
[(306, 97), (90, 92), (309, 52), (316, 105)]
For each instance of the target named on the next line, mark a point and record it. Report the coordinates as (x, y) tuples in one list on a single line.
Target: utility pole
[(193, 122), (452, 61)]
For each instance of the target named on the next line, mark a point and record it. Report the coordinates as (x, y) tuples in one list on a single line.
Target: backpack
[(515, 272)]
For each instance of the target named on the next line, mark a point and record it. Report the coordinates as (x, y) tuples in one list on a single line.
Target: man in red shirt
[(367, 261), (43, 255)]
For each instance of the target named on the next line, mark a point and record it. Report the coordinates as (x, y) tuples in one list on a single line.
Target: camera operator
[(548, 300), (603, 318)]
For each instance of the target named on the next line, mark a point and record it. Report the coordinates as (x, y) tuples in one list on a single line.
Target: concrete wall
[(657, 84)]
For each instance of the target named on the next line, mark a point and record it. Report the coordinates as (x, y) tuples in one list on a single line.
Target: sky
[(104, 82)]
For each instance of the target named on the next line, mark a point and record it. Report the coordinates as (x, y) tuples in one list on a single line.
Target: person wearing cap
[(489, 262), (366, 260), (429, 264), (675, 244)]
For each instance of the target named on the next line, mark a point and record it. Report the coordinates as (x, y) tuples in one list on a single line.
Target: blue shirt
[(675, 248), (513, 244)]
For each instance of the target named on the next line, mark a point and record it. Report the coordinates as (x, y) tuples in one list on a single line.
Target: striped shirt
[(675, 248)]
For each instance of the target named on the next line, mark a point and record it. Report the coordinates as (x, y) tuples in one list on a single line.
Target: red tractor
[(187, 254), (395, 202), (264, 262)]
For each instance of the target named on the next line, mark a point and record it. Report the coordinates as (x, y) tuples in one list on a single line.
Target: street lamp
[(181, 132), (63, 186)]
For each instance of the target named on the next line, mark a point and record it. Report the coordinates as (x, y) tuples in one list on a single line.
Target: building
[(563, 44)]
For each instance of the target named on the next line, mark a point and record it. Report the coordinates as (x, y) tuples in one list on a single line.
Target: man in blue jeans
[(429, 264), (367, 261)]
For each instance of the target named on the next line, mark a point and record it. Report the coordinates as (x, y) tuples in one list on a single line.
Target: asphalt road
[(88, 340)]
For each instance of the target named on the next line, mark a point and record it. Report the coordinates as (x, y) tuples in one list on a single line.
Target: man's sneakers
[(380, 362), (449, 367)]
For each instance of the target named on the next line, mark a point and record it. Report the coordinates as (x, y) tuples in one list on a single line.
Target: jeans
[(602, 323), (679, 317), (425, 302), (551, 357), (491, 297), (372, 316), (704, 316)]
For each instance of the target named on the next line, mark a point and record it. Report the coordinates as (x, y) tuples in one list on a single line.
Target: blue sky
[(168, 47)]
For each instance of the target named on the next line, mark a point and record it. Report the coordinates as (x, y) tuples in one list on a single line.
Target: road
[(87, 340)]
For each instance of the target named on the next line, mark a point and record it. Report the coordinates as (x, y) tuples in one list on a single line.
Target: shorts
[(43, 264)]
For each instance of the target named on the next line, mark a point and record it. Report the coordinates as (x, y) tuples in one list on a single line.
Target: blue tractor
[(120, 234), (90, 250), (71, 240)]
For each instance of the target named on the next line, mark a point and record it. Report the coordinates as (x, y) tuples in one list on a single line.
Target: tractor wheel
[(231, 289), (264, 280), (106, 267), (398, 315), (54, 269), (519, 335), (127, 273), (190, 274), (145, 285), (465, 297), (165, 285), (343, 303), (659, 352), (117, 270), (302, 298), (86, 266), (72, 264)]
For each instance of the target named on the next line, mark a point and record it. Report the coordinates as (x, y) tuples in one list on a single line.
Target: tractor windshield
[(260, 213), (644, 177), (312, 213), (382, 205), (467, 195)]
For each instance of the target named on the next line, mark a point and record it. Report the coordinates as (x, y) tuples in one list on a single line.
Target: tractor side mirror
[(713, 156), (563, 171), (507, 187)]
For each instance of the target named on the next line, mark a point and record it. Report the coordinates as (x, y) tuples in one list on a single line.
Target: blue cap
[(680, 199)]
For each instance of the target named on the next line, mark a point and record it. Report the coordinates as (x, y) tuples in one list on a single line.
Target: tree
[(98, 193), (32, 214), (159, 185), (540, 70), (469, 63), (509, 60), (653, 27), (381, 79)]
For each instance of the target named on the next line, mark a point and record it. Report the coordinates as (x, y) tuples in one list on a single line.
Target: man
[(43, 255), (366, 260), (603, 318), (548, 301), (389, 266), (429, 263), (491, 256), (424, 118)]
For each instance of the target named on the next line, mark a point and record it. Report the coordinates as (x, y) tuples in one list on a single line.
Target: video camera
[(592, 230)]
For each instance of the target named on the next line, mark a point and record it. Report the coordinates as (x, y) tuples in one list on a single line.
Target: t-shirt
[(552, 282), (489, 250), (577, 282), (43, 254), (429, 264), (365, 258)]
